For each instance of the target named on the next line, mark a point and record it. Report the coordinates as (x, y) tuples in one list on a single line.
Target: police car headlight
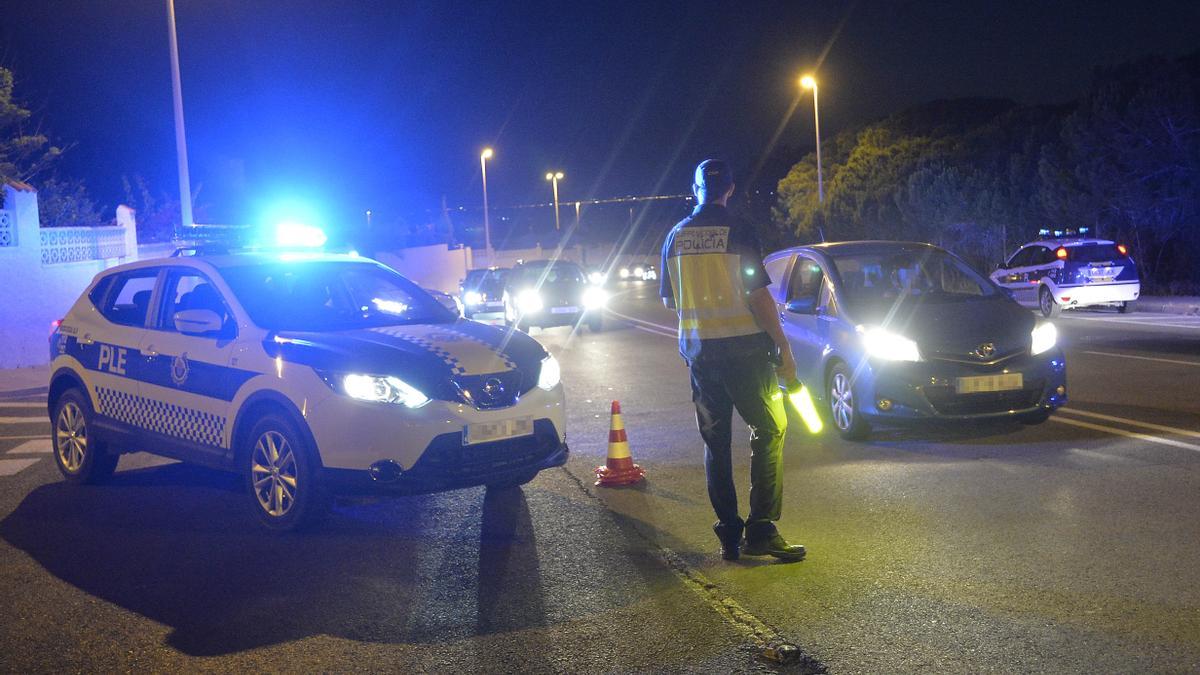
[(595, 298), (550, 375), (1045, 336), (473, 297), (383, 390), (888, 346), (529, 301)]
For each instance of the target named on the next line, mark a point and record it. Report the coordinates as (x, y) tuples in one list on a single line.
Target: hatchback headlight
[(1045, 336), (595, 298), (550, 375), (529, 301), (383, 389), (888, 346)]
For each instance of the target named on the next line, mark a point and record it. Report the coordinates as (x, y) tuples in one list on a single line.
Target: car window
[(1022, 258), (1042, 255), (1090, 253), (775, 271), (189, 289), (806, 281), (883, 276), (128, 300)]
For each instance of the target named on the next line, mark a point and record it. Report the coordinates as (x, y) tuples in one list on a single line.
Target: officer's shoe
[(774, 545), (731, 539)]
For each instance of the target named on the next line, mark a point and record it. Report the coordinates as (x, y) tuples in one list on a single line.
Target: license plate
[(1100, 280), (986, 383), (564, 310), (483, 432)]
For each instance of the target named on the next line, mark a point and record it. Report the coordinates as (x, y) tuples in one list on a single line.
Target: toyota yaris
[(903, 332)]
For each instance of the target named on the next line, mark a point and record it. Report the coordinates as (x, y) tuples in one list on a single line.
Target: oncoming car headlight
[(888, 346), (382, 389), (550, 375), (595, 298), (1045, 336), (624, 272), (529, 301), (473, 297)]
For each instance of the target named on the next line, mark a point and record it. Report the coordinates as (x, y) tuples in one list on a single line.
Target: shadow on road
[(174, 544)]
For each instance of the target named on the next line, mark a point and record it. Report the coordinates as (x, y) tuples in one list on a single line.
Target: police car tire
[(1127, 307), (96, 465), (859, 428), (310, 502), (1048, 306)]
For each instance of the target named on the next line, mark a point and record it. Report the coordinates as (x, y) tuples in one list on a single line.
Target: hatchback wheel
[(79, 457), (281, 476), (1046, 303), (1126, 307), (843, 405)]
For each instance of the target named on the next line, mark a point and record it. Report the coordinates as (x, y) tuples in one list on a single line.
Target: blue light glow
[(299, 235)]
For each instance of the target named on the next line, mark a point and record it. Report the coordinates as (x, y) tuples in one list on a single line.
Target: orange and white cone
[(619, 469)]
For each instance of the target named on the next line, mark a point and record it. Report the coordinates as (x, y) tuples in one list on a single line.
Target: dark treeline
[(982, 176)]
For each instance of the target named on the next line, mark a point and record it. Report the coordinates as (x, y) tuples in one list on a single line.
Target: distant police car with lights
[(1067, 272), (308, 375)]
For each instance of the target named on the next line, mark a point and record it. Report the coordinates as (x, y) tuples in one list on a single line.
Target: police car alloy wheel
[(281, 478), (1046, 303), (78, 456), (843, 405)]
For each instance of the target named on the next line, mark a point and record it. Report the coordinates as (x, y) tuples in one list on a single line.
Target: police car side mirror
[(802, 306), (197, 321)]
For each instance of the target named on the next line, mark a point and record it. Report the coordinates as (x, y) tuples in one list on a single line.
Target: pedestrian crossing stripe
[(41, 446), (30, 419), (9, 467)]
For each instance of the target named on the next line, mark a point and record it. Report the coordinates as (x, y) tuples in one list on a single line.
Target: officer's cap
[(714, 175)]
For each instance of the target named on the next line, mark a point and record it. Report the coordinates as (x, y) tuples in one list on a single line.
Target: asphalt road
[(1073, 546)]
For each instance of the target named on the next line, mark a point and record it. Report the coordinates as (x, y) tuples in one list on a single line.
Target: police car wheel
[(1126, 307), (80, 458), (281, 476), (1046, 303), (843, 405)]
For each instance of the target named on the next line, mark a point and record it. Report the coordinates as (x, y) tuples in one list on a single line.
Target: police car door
[(107, 346), (186, 375), (1015, 276)]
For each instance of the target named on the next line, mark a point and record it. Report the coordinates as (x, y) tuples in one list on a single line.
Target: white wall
[(37, 289)]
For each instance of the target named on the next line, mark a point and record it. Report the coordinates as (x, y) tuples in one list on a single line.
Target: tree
[(23, 155), (66, 203)]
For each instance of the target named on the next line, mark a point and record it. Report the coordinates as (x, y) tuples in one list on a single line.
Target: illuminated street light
[(185, 190), (487, 226), (808, 82), (554, 177)]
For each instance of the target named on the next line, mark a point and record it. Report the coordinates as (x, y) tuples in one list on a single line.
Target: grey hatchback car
[(903, 332)]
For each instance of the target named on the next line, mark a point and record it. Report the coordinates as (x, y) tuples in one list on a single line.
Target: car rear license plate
[(483, 432), (986, 383), (1100, 280), (564, 310)]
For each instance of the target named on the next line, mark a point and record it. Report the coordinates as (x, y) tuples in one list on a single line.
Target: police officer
[(730, 337)]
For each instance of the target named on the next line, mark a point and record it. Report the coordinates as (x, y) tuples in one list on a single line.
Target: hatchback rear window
[(1090, 253)]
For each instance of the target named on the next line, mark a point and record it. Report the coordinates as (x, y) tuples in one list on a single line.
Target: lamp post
[(487, 226), (185, 191), (808, 82), (554, 177)]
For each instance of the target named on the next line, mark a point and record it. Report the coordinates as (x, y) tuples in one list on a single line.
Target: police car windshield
[(873, 278), (322, 295)]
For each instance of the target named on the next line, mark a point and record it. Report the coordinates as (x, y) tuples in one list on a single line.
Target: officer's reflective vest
[(707, 282)]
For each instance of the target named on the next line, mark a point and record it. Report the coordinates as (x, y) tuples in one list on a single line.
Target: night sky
[(386, 105)]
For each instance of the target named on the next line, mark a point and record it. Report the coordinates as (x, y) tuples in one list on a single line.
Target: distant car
[(596, 276), (545, 293), (482, 292), (306, 376), (904, 332), (649, 273), (1067, 273), (446, 300)]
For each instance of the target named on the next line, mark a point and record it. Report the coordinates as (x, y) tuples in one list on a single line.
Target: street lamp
[(185, 191), (808, 82), (487, 226), (554, 177)]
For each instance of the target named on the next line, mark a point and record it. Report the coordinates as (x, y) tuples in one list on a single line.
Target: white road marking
[(24, 420), (23, 404), (1171, 320), (1128, 434), (24, 437), (40, 446), (1123, 420), (1145, 358), (649, 327), (10, 466)]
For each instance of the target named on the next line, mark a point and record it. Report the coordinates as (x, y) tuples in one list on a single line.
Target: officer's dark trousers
[(748, 384)]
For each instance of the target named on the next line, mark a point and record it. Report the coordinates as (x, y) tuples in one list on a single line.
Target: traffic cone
[(619, 469)]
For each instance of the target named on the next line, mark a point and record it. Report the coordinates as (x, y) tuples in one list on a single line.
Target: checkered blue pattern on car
[(164, 418), (438, 343)]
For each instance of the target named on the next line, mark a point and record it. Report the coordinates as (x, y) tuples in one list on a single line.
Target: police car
[(1065, 271), (310, 375)]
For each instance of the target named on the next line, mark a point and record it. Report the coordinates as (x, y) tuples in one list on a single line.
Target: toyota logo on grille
[(493, 388), (986, 350)]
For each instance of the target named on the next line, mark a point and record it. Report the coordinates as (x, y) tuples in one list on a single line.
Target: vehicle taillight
[(54, 326), (1122, 249), (1061, 253)]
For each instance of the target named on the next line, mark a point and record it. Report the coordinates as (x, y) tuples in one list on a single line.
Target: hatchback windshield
[(484, 280), (330, 296), (930, 274), (1090, 253), (559, 273)]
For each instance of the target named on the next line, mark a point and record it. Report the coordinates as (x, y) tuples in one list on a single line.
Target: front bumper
[(898, 392), (546, 318)]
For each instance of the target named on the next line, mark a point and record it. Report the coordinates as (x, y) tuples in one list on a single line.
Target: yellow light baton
[(802, 401)]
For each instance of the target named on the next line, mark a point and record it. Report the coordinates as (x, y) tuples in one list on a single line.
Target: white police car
[(308, 374), (1068, 272)]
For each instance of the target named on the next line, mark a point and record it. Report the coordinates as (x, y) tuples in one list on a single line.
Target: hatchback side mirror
[(197, 321), (802, 306)]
